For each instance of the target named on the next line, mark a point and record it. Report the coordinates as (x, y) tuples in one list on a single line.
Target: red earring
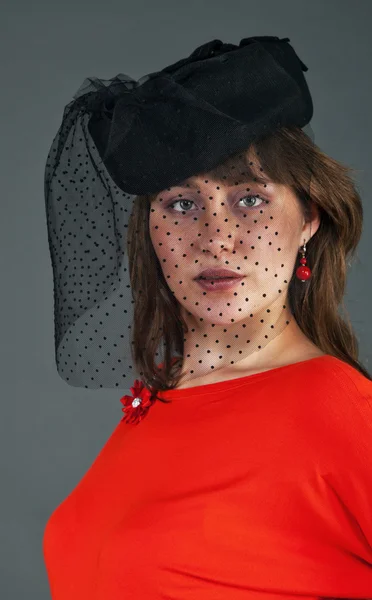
[(303, 272)]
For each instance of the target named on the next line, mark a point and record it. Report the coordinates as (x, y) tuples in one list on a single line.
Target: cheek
[(273, 263), (169, 242)]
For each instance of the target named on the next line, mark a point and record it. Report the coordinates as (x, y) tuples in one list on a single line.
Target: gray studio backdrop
[(50, 432)]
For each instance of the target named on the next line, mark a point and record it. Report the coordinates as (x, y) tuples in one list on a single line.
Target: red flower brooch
[(137, 405)]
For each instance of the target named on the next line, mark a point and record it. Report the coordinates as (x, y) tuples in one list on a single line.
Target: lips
[(218, 274)]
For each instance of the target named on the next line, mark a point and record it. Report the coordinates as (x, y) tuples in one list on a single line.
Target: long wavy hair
[(290, 158)]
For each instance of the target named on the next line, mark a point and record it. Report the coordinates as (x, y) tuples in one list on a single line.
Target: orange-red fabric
[(252, 489)]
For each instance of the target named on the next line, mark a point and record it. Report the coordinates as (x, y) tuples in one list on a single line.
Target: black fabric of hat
[(213, 103)]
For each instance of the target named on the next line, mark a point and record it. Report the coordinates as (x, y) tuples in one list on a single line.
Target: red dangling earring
[(303, 272)]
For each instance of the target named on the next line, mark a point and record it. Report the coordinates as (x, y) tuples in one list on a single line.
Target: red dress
[(256, 488)]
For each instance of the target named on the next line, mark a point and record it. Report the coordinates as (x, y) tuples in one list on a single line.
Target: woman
[(241, 467)]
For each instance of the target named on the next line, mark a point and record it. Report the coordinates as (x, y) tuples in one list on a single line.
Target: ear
[(310, 227)]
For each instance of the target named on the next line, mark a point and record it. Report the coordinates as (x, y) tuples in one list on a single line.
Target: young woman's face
[(253, 229)]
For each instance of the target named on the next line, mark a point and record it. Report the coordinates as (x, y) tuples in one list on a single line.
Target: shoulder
[(332, 375), (337, 404), (328, 383)]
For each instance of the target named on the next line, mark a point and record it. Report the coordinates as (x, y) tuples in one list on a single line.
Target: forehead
[(199, 182)]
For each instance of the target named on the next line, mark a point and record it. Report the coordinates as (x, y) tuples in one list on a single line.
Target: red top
[(256, 488)]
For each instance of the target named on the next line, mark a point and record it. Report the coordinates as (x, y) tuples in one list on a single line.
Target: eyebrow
[(193, 185)]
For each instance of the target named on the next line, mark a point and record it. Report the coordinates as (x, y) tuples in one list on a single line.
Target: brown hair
[(290, 158)]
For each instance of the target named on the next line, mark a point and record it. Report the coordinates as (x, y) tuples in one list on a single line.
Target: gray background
[(50, 432)]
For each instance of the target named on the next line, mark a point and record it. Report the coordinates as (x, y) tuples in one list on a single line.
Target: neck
[(267, 340)]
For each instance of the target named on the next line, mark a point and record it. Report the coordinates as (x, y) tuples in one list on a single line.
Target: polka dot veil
[(176, 227)]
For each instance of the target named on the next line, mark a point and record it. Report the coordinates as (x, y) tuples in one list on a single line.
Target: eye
[(177, 202), (253, 197)]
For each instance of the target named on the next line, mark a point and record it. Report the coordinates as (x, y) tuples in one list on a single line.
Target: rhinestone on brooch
[(136, 402)]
